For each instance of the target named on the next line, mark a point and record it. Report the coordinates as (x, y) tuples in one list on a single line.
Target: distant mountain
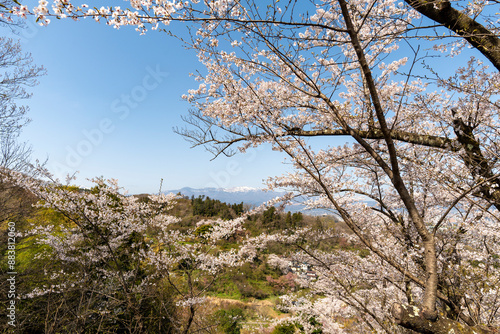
[(247, 195)]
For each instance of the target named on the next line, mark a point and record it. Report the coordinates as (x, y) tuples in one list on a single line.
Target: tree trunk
[(478, 36), (411, 317)]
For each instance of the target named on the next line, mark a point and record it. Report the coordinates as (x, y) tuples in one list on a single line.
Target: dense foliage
[(205, 206), (96, 260)]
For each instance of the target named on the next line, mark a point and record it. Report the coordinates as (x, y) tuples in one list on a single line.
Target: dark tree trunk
[(476, 34), (411, 317)]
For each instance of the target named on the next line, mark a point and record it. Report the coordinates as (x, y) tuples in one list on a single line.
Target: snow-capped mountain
[(241, 189), (247, 195)]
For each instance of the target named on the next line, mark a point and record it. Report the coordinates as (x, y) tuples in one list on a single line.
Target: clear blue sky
[(108, 105)]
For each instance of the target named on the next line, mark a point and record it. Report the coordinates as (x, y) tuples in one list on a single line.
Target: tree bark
[(411, 317), (408, 137), (476, 34), (478, 165), (394, 173)]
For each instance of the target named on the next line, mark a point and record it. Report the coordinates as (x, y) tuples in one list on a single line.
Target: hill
[(249, 196)]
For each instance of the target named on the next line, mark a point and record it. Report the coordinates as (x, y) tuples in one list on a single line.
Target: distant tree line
[(272, 218), (208, 207)]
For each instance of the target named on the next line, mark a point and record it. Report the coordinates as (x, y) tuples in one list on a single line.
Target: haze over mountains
[(247, 195)]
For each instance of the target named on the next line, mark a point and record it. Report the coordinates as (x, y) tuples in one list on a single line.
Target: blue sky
[(109, 102)]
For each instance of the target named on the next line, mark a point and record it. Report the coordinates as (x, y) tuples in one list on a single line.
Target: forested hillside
[(71, 286), (385, 113)]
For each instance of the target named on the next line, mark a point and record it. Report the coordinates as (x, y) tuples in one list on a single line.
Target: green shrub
[(284, 329), (230, 320), (364, 253)]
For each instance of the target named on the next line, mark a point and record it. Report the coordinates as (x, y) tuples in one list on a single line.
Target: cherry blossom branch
[(476, 34), (429, 301)]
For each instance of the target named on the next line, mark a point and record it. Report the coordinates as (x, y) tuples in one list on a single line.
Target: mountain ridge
[(247, 195), (234, 195)]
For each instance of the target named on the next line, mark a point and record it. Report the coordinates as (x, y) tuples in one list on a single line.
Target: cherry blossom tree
[(117, 264), (17, 73), (416, 181)]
